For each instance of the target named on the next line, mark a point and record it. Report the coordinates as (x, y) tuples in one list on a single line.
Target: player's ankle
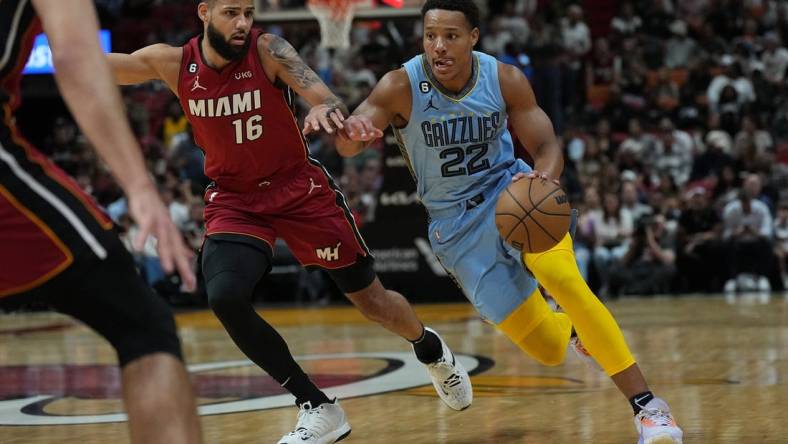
[(639, 401), (428, 348)]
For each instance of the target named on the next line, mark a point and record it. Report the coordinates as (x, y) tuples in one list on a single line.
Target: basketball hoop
[(335, 18)]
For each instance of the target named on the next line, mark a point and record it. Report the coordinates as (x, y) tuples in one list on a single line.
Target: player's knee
[(227, 292), (553, 357), (549, 353)]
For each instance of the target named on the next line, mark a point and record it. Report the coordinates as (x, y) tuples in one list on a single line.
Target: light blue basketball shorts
[(489, 271)]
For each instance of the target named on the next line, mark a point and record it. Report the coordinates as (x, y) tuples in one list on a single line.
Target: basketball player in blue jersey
[(449, 108)]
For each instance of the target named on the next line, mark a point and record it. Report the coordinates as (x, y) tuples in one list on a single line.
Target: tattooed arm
[(281, 62)]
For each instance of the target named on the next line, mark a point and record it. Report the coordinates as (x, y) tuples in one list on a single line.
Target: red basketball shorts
[(308, 212)]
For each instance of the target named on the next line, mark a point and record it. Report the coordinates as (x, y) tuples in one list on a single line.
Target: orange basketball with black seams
[(533, 215)]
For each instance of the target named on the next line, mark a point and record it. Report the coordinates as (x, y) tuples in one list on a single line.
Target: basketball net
[(335, 18)]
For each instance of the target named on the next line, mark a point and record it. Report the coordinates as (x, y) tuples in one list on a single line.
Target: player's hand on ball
[(361, 129), (325, 117), (533, 175)]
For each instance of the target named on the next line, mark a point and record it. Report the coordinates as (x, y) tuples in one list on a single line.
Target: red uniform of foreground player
[(57, 248), (236, 86)]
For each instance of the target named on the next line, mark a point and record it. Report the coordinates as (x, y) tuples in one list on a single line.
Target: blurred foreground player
[(58, 248)]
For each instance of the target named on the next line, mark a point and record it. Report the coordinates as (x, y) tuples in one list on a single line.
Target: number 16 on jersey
[(252, 127)]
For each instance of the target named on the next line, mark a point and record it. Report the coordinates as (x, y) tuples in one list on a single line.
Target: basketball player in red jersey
[(57, 247), (236, 87)]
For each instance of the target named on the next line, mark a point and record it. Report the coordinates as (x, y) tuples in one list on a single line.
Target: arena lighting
[(40, 61)]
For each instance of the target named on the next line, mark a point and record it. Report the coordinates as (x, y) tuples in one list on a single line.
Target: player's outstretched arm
[(389, 102), (282, 60), (530, 123), (154, 62), (85, 81)]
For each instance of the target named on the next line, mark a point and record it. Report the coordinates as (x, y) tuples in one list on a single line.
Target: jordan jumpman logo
[(197, 84), (430, 105), (313, 185)]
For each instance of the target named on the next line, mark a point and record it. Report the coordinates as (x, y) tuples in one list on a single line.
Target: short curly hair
[(467, 7)]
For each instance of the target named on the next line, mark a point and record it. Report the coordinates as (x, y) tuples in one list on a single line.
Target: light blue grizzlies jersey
[(461, 154), (456, 145)]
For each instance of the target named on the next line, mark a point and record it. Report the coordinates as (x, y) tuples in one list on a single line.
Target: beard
[(224, 48)]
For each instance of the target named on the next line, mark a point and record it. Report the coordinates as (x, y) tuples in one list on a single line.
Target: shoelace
[(659, 417), (311, 420)]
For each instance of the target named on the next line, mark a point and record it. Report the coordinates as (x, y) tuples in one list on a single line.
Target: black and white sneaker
[(450, 379), (324, 424)]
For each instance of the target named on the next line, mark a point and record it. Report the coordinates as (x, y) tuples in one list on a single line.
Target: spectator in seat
[(626, 22), (174, 126), (630, 201), (752, 133), (673, 152), (680, 48), (774, 59), (611, 233), (638, 143), (545, 49), (700, 255), (576, 38), (716, 156), (732, 76), (666, 92), (648, 266), (603, 66), (726, 189), (591, 215), (748, 232)]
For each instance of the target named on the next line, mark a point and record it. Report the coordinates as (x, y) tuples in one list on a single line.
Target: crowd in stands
[(673, 116)]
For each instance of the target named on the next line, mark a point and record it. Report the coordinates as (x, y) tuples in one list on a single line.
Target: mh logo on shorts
[(329, 254)]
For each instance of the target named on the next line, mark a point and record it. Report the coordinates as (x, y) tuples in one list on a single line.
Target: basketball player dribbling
[(236, 86), (58, 248), (449, 109)]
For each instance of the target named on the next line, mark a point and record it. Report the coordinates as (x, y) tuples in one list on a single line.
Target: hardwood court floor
[(722, 364)]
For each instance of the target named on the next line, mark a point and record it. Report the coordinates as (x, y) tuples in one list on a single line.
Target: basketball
[(533, 215)]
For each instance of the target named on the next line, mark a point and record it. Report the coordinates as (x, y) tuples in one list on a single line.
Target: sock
[(639, 401), (428, 347), (304, 389)]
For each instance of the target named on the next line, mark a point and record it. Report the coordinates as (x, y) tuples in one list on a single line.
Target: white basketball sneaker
[(450, 379), (655, 424), (324, 424)]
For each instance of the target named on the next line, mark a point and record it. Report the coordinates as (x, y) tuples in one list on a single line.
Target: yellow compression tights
[(538, 331), (556, 270)]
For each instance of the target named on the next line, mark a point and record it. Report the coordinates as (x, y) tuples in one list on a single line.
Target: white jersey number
[(254, 129)]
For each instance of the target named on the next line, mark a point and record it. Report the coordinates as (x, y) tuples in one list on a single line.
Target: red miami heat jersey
[(243, 123)]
